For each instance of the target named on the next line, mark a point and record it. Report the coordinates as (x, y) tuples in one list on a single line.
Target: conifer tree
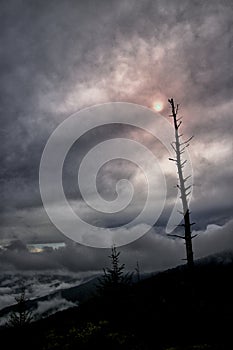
[(22, 315), (114, 277)]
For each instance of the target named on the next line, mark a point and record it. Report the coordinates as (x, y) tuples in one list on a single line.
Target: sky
[(59, 57)]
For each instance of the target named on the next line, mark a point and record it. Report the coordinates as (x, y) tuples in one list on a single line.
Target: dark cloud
[(61, 56), (154, 251)]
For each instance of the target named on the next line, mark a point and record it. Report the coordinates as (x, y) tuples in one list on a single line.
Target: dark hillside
[(174, 309)]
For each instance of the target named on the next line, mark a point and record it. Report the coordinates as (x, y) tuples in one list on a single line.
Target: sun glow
[(158, 106)]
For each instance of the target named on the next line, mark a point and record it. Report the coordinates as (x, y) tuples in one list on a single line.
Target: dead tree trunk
[(179, 148)]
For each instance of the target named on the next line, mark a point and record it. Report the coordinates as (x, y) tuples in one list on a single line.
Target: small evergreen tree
[(22, 315), (114, 277)]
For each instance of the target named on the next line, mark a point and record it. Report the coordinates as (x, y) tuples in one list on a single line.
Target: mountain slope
[(173, 308)]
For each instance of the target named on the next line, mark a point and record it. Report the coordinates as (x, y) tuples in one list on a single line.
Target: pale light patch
[(158, 106), (215, 151)]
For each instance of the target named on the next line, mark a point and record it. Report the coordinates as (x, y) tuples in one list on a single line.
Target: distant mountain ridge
[(174, 309), (82, 292)]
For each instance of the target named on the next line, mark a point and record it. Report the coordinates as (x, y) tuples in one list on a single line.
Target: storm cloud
[(59, 57), (154, 252)]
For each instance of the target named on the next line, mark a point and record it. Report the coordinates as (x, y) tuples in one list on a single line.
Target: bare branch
[(173, 148), (173, 235), (187, 188), (187, 178), (187, 141)]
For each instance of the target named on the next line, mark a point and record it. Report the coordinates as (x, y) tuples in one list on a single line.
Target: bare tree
[(179, 148), (137, 269)]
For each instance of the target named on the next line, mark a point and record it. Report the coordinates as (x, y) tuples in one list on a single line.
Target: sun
[(158, 106)]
